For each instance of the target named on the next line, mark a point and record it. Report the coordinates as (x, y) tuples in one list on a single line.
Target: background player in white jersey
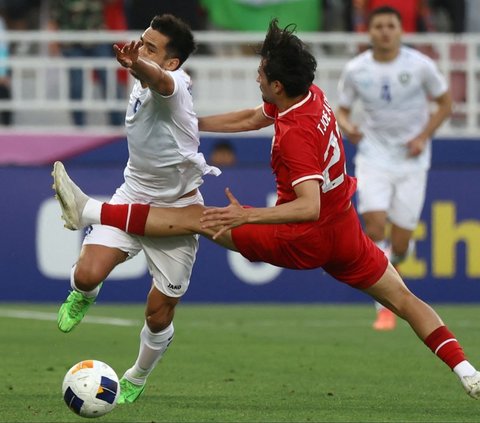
[(394, 83), (164, 168)]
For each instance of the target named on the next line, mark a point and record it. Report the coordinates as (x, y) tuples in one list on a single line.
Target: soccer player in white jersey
[(164, 168), (394, 84)]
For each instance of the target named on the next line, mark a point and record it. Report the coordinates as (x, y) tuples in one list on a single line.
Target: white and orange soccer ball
[(91, 388)]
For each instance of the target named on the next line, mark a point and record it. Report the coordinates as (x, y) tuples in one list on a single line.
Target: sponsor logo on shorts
[(174, 286)]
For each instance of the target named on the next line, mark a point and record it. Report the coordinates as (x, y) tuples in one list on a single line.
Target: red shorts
[(339, 246)]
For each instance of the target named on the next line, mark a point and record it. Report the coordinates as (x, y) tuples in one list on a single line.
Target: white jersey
[(395, 99), (162, 134)]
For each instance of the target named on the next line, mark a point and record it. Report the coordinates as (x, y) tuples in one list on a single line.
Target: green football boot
[(73, 310), (129, 392)]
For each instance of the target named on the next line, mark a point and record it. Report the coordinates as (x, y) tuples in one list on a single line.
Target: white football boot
[(472, 385), (71, 198)]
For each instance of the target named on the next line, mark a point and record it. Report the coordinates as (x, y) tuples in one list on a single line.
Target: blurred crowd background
[(455, 16), (349, 16)]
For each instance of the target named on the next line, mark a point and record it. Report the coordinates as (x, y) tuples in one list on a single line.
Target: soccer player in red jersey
[(313, 223)]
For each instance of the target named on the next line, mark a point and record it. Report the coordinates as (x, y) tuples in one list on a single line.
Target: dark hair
[(286, 59), (384, 10), (181, 43)]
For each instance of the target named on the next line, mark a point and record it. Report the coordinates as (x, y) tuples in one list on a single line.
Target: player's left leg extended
[(393, 293), (79, 210)]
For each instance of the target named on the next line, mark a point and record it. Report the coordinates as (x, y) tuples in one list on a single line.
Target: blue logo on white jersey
[(136, 106), (385, 92)]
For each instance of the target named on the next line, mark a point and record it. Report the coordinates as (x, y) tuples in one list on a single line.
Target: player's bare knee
[(88, 277)]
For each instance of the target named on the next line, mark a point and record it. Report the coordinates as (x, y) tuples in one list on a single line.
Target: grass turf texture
[(244, 363)]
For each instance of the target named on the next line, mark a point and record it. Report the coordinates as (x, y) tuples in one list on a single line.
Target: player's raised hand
[(127, 56), (225, 218)]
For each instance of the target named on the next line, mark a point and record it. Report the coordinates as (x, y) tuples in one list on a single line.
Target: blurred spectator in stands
[(84, 15), (139, 13), (472, 16), (5, 94), (19, 14), (116, 20), (223, 154), (114, 15), (416, 15), (449, 15), (347, 15), (255, 15), (333, 15)]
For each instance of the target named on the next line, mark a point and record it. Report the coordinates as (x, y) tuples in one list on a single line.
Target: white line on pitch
[(40, 315)]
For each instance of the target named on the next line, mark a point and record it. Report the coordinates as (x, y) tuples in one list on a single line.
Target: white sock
[(91, 212), (464, 369), (90, 294), (152, 349)]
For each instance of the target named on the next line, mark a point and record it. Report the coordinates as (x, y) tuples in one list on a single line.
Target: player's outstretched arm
[(239, 121), (306, 207)]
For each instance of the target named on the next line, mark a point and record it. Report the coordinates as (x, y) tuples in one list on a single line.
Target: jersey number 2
[(334, 148)]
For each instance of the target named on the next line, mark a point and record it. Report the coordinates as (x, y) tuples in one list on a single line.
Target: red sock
[(442, 342), (130, 218)]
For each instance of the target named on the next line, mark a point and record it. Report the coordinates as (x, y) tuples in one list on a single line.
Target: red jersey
[(308, 145)]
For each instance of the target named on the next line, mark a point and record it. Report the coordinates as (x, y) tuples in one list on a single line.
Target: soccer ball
[(91, 388)]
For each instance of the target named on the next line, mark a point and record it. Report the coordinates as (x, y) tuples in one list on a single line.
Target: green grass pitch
[(242, 363)]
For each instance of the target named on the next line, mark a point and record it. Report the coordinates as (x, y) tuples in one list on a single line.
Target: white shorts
[(170, 260), (400, 195)]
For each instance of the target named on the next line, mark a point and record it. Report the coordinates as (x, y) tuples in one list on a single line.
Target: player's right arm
[(348, 128), (304, 208), (239, 121)]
